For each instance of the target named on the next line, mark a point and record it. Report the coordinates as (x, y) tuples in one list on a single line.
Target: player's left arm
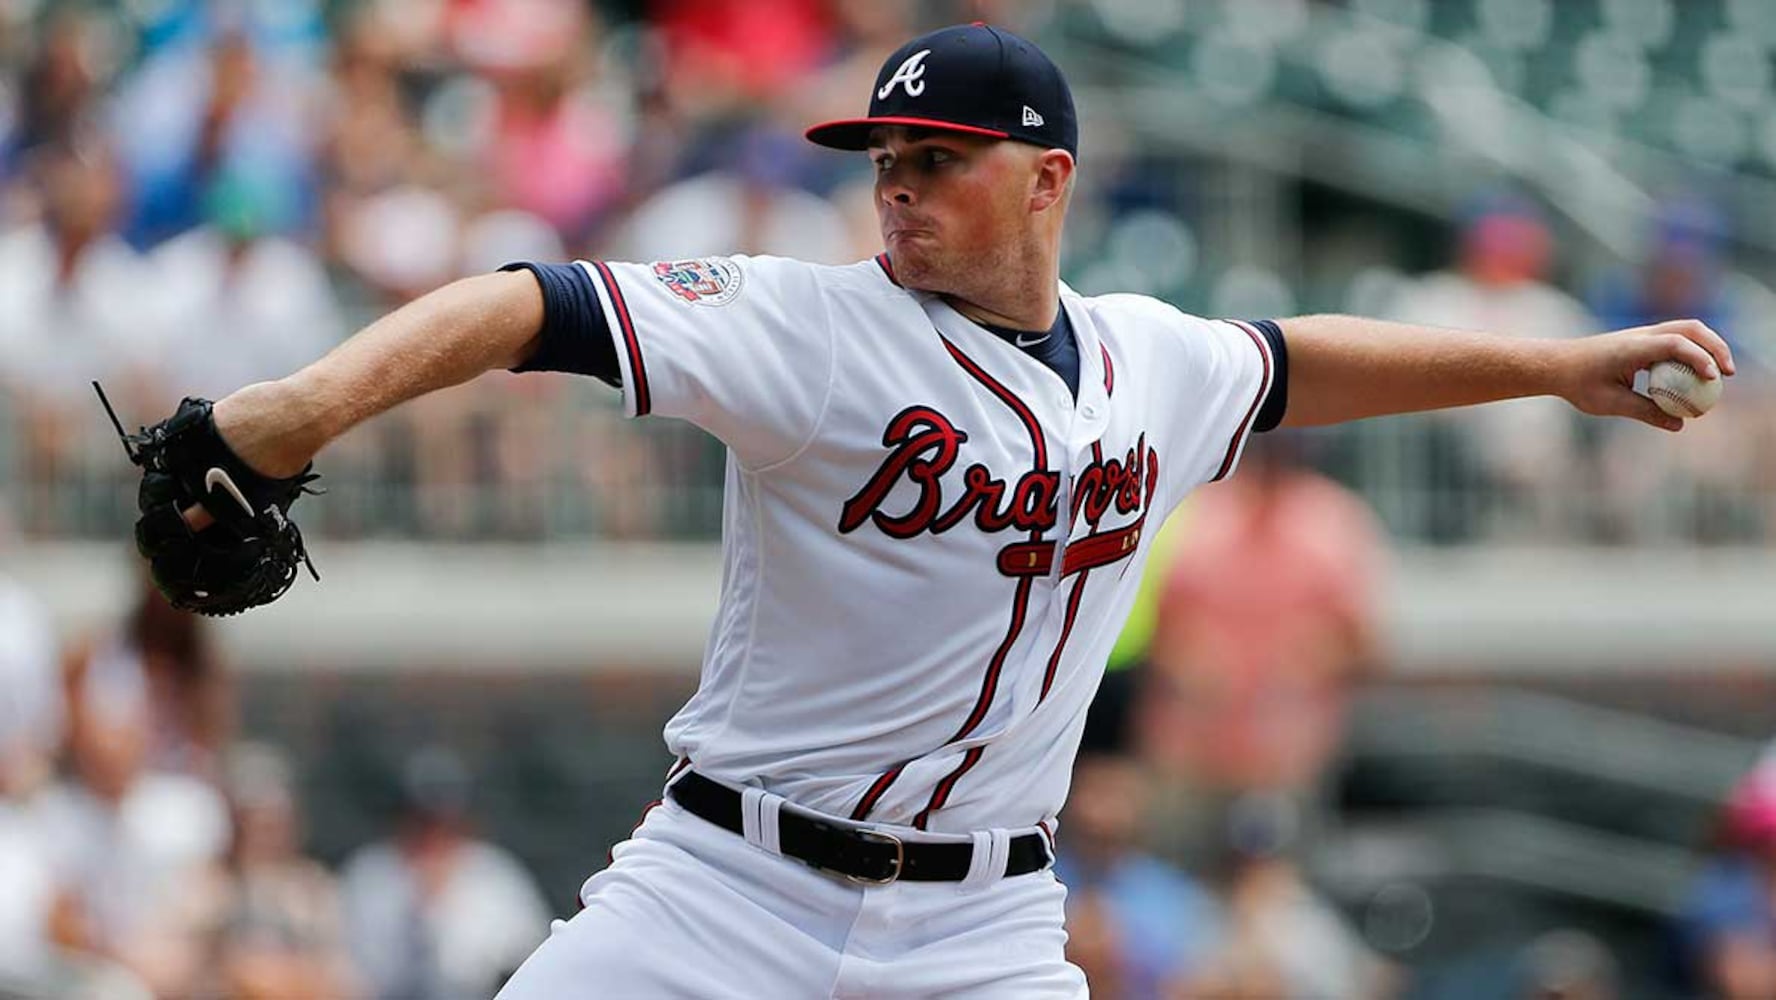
[(1347, 368)]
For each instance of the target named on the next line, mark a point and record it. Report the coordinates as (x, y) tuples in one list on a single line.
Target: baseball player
[(944, 470)]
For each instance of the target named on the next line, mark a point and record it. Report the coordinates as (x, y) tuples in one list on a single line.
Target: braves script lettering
[(924, 445)]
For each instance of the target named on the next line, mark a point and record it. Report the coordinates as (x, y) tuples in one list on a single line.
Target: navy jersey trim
[(643, 398), (1276, 402), (575, 336), (1239, 434)]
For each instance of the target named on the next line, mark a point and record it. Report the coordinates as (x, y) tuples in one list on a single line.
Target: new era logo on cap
[(970, 78)]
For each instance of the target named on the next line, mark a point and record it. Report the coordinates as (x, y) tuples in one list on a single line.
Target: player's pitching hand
[(1597, 373)]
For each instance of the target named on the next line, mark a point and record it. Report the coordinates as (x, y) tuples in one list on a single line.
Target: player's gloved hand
[(247, 554)]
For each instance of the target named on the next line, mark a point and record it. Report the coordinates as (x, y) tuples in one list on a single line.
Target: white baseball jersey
[(930, 544)]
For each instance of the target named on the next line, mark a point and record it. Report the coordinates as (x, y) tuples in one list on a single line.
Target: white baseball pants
[(688, 909)]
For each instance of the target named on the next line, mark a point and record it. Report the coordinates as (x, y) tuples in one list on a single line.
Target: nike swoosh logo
[(1021, 342), (218, 477)]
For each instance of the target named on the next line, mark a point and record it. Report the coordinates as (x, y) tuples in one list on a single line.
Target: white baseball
[(1679, 391)]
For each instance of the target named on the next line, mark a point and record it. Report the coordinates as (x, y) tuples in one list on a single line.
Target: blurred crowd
[(198, 194), (150, 849)]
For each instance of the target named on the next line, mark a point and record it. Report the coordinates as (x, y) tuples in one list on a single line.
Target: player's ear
[(1054, 178)]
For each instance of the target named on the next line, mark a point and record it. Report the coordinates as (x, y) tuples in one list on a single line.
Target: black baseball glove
[(248, 556)]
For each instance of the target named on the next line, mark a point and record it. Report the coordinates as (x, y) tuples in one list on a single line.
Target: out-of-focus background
[(1463, 706)]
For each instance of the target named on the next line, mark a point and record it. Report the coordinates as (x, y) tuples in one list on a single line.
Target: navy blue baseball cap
[(971, 78)]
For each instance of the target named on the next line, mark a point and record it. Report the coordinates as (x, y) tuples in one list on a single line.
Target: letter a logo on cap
[(908, 75)]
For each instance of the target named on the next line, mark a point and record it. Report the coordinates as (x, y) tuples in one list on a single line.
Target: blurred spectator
[(386, 221), (136, 851), (432, 912), (31, 713), (1525, 451), (1266, 617), (59, 87), (1283, 940), (750, 206), (1725, 932), (551, 147), (246, 305), (282, 930), (1139, 927), (1685, 275), (1568, 964), (31, 723), (167, 660), (724, 56), (79, 305), (228, 106)]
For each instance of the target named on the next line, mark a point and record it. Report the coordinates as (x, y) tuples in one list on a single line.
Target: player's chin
[(915, 266)]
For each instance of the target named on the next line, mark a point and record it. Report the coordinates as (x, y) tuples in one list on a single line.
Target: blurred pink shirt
[(1266, 613)]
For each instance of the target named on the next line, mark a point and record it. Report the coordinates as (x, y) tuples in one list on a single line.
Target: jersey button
[(1089, 411)]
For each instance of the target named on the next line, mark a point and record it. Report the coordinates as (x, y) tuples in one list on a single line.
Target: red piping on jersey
[(1009, 398), (1020, 602), (874, 795), (942, 793), (1054, 658), (887, 267), (1109, 372), (1019, 608), (1257, 400), (643, 400)]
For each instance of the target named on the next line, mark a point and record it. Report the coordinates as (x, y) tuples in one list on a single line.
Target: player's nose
[(890, 188)]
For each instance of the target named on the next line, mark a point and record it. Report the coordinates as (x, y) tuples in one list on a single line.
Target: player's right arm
[(441, 339)]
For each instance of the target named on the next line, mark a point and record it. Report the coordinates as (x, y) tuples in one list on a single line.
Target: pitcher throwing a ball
[(944, 470)]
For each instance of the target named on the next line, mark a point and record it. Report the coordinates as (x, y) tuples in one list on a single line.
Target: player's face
[(953, 207)]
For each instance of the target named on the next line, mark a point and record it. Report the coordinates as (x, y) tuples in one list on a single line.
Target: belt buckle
[(899, 857)]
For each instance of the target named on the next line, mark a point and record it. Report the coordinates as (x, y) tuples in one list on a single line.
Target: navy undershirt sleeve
[(1270, 415), (575, 336)]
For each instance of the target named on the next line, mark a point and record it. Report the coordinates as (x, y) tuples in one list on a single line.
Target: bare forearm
[(441, 339), (1347, 368)]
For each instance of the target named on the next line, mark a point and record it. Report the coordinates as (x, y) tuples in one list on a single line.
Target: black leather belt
[(866, 856)]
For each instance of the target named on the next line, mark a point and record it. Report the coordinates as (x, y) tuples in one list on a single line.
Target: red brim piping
[(853, 133)]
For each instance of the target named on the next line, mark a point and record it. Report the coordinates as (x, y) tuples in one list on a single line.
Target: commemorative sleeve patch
[(704, 281)]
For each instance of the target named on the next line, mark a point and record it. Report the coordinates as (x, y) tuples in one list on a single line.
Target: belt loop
[(770, 808), (986, 863), (750, 811), (759, 811)]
